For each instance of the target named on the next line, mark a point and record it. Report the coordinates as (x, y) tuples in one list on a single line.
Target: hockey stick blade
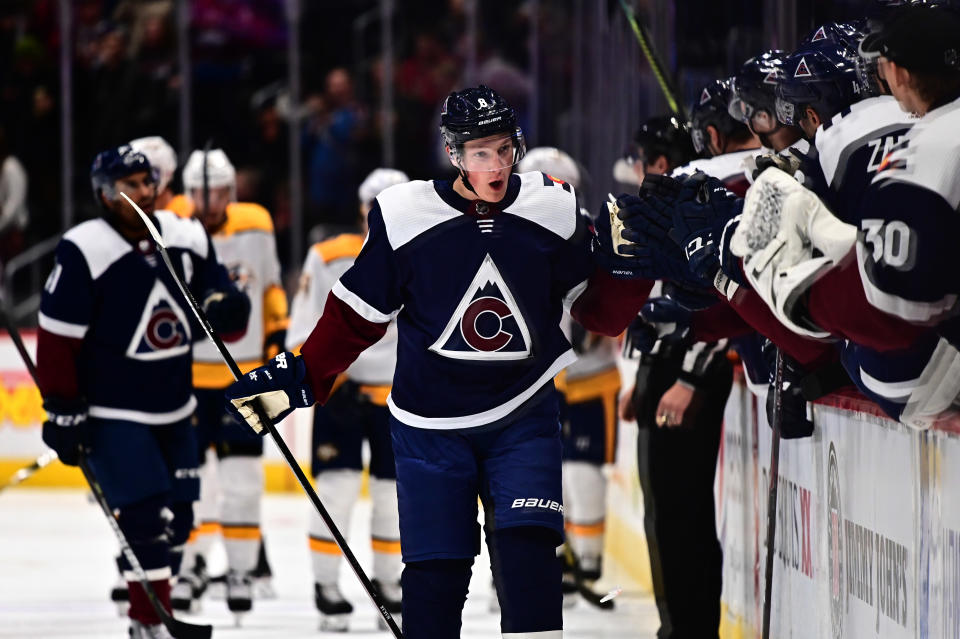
[(179, 629), (29, 471), (591, 596), (268, 424)]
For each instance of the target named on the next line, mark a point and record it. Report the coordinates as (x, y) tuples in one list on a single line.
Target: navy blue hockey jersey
[(851, 147), (478, 291), (135, 328)]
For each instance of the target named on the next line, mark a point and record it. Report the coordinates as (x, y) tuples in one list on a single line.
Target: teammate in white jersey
[(242, 234), (357, 411)]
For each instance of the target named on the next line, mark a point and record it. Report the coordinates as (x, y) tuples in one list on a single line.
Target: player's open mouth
[(496, 185)]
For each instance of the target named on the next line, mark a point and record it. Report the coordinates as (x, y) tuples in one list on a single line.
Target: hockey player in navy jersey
[(476, 272), (113, 356)]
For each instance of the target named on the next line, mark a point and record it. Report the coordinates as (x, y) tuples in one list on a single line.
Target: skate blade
[(335, 623)]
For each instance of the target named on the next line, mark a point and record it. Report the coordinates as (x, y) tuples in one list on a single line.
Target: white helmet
[(551, 161), (378, 180), (161, 156), (220, 171)]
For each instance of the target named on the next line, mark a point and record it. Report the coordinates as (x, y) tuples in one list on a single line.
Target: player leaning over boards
[(242, 233), (355, 411), (113, 356), (476, 272)]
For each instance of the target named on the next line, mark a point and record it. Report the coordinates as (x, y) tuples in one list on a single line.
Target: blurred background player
[(113, 359), (242, 234), (356, 411), (660, 145), (588, 418), (163, 159), (163, 162)]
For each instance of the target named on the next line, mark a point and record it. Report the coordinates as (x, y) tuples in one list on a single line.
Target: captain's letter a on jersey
[(487, 324)]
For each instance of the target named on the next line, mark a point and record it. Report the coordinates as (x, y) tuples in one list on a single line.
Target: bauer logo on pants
[(487, 324), (533, 502)]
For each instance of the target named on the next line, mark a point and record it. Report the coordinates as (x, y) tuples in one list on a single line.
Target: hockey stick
[(653, 59), (603, 601), (268, 424), (179, 629), (30, 470), (772, 496)]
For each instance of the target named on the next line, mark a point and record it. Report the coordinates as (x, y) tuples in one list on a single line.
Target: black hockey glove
[(280, 385), (646, 220), (662, 186), (661, 318), (227, 312), (703, 209), (694, 297), (65, 430), (795, 421), (601, 248)]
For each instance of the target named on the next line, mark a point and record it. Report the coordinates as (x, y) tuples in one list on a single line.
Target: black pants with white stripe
[(677, 469)]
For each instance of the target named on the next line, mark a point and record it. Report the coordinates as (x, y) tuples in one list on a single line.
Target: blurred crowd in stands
[(127, 83)]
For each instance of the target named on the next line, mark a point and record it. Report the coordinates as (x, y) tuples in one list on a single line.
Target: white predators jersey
[(325, 263), (246, 246)]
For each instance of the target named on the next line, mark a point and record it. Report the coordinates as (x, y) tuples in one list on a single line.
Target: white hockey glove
[(280, 386), (781, 226)]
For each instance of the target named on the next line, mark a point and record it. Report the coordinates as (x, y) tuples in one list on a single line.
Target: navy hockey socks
[(434, 592), (528, 579)]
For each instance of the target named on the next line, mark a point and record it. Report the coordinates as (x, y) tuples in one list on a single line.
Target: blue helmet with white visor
[(821, 75), (476, 113)]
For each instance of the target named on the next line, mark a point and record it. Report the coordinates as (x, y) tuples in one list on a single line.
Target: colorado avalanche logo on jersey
[(487, 324), (163, 330)]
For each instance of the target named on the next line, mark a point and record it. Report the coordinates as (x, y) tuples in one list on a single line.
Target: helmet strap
[(466, 182)]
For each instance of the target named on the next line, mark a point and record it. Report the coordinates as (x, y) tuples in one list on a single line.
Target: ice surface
[(57, 568)]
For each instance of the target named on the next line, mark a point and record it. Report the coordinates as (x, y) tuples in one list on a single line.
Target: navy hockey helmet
[(753, 99), (710, 109), (846, 34), (113, 164), (663, 135), (474, 113), (823, 76)]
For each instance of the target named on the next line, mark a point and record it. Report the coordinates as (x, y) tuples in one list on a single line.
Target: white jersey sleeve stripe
[(363, 309), (910, 310), (890, 390), (573, 295), (59, 327)]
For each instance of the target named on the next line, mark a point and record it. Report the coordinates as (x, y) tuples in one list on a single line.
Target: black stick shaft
[(287, 455), (772, 497), (178, 629)]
